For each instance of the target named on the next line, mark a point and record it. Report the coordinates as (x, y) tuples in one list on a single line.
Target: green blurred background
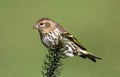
[(96, 23)]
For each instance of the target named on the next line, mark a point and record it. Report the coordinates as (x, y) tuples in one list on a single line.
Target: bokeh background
[(95, 23)]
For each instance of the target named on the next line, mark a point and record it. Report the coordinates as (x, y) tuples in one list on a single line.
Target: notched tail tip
[(93, 58), (90, 56)]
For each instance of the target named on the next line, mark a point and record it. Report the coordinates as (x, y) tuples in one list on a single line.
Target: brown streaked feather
[(73, 39)]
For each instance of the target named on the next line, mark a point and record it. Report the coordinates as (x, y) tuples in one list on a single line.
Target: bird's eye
[(41, 23)]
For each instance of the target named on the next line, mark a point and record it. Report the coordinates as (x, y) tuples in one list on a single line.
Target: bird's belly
[(70, 49)]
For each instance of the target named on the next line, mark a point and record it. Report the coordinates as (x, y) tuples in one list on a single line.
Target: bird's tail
[(90, 56)]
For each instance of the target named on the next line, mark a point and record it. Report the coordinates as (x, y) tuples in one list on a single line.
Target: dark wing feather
[(73, 39)]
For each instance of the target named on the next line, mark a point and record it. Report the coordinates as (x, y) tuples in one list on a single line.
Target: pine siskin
[(54, 36)]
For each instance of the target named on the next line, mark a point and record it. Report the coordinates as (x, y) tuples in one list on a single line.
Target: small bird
[(54, 36)]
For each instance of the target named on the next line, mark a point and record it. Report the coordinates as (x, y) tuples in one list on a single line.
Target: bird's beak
[(35, 27)]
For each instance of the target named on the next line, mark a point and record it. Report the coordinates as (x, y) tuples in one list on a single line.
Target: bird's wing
[(73, 39)]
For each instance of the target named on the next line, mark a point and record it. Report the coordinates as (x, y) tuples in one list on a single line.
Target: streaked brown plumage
[(55, 36)]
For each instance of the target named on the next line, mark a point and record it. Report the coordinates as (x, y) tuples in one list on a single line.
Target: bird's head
[(45, 25)]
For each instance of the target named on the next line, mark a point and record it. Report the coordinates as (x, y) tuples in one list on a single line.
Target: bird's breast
[(51, 39)]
